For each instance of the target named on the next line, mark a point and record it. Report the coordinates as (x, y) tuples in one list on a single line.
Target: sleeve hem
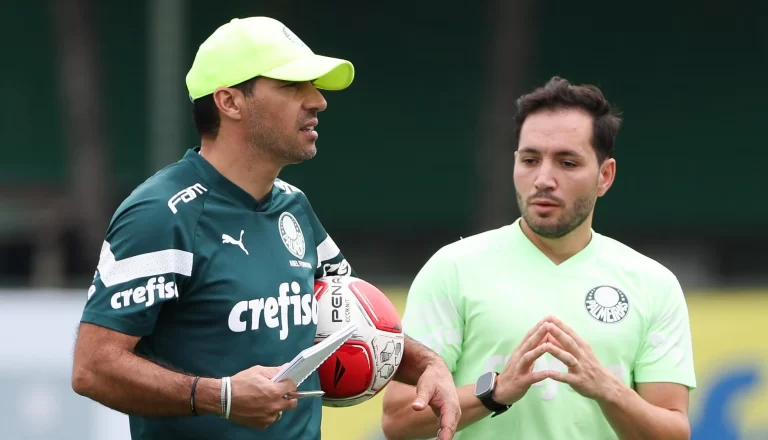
[(669, 377), (116, 323)]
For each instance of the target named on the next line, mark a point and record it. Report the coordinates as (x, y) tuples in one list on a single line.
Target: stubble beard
[(569, 220), (266, 140)]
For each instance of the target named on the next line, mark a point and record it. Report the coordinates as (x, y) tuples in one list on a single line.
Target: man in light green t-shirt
[(551, 330)]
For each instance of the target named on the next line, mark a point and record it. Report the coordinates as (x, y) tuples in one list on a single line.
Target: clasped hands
[(550, 335)]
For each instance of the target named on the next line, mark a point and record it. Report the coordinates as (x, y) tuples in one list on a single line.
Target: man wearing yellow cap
[(204, 285)]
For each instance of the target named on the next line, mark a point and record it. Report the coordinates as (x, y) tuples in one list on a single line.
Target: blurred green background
[(399, 150)]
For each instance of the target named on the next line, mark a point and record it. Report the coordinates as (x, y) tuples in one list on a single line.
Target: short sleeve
[(667, 353), (433, 311), (145, 259)]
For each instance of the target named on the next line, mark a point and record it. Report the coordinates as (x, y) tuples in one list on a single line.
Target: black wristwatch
[(484, 391)]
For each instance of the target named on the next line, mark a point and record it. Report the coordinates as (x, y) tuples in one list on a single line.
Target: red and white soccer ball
[(369, 359)]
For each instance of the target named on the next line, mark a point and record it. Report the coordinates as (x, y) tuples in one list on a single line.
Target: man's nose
[(545, 178)]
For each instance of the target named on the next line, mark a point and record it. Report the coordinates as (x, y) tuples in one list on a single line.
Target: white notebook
[(311, 358)]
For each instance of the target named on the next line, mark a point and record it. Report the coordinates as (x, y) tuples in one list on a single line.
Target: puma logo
[(229, 240)]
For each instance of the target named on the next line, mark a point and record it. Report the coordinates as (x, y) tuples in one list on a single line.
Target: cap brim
[(325, 72)]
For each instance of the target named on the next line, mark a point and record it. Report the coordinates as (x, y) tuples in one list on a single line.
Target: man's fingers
[(551, 339), (423, 396), (268, 372), (445, 434), (535, 338), (538, 376), (281, 404), (448, 424), (287, 404), (566, 358), (561, 377), (566, 342), (526, 362), (569, 331), (286, 386), (532, 330)]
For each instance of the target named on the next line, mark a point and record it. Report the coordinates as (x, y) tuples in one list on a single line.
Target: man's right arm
[(146, 260), (107, 370)]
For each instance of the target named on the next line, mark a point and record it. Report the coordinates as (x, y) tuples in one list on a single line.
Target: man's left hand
[(585, 373), (436, 389)]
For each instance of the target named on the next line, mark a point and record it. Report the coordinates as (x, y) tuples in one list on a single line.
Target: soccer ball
[(368, 360)]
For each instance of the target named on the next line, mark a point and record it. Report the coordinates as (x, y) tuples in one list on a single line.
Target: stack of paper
[(311, 358)]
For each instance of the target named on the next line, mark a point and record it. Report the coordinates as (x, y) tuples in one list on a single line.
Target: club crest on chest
[(607, 304), (290, 232)]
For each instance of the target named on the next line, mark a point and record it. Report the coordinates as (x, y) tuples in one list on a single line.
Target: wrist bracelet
[(192, 395), (223, 396), (229, 397)]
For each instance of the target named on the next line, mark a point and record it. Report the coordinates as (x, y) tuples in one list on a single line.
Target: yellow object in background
[(730, 351)]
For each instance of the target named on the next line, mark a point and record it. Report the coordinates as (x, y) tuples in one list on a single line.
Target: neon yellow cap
[(260, 46)]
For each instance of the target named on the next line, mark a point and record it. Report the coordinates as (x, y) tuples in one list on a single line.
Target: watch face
[(484, 384)]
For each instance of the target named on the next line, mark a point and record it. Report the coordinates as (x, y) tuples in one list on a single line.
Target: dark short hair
[(558, 94), (206, 114)]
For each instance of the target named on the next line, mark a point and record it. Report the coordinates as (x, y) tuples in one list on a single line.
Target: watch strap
[(486, 398), (496, 407)]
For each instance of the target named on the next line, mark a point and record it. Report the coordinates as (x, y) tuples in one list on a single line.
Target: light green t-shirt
[(475, 299)]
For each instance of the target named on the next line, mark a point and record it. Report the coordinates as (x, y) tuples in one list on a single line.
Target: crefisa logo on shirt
[(607, 304), (290, 232)]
